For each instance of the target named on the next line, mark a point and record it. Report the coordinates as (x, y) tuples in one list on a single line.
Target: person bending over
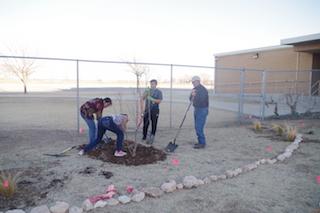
[(116, 124)]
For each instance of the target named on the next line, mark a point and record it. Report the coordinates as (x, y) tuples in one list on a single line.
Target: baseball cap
[(195, 78)]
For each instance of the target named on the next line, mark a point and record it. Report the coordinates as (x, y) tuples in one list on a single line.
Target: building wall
[(283, 66)]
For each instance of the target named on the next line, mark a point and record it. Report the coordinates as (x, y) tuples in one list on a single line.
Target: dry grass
[(291, 133), (257, 126), (279, 129), (8, 184)]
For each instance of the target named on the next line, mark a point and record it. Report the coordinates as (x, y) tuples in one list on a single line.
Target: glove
[(147, 91), (151, 99)]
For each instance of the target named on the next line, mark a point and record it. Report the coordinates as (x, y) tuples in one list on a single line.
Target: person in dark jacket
[(200, 98)]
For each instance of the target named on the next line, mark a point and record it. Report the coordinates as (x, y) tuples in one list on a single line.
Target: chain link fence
[(59, 86)]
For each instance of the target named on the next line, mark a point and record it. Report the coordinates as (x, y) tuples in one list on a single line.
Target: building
[(294, 64)]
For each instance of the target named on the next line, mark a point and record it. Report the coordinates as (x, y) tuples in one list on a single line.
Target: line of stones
[(167, 187)]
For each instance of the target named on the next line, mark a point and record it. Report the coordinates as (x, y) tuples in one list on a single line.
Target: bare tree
[(292, 101), (138, 70), (21, 68)]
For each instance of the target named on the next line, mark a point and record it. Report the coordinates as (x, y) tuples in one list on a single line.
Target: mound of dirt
[(144, 155)]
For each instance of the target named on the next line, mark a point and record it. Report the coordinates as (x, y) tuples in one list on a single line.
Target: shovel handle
[(184, 118)]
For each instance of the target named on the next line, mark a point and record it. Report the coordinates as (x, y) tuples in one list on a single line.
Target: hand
[(151, 99), (193, 92)]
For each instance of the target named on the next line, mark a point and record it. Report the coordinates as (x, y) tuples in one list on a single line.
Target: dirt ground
[(32, 126)]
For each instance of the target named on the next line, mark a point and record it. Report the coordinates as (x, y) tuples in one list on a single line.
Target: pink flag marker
[(318, 179), (269, 148), (81, 130), (5, 184), (175, 162), (129, 189)]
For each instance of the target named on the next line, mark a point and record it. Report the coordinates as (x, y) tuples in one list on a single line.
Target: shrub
[(257, 126), (279, 129), (291, 133), (8, 184)]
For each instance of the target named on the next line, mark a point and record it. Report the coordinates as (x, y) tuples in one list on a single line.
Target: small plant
[(291, 133), (8, 184), (257, 126), (279, 129)]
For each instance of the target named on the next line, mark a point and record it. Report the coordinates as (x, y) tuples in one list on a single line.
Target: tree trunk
[(25, 89)]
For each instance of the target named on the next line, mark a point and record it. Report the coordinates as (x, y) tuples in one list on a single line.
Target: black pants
[(154, 121)]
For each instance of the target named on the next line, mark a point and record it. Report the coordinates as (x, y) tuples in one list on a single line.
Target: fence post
[(263, 94), (241, 94), (171, 77), (78, 101), (310, 83)]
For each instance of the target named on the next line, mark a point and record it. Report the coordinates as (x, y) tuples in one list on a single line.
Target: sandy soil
[(32, 126)]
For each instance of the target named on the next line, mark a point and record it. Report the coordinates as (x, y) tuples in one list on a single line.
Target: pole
[(263, 95), (241, 95), (171, 77), (78, 101)]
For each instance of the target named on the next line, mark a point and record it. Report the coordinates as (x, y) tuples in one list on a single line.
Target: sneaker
[(81, 152), (199, 146), (120, 153)]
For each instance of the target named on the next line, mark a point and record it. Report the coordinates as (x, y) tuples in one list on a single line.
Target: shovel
[(172, 145), (63, 153)]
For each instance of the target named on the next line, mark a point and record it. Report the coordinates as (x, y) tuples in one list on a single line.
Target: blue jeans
[(200, 117), (104, 124), (92, 129)]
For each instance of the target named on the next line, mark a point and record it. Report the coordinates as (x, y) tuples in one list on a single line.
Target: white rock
[(112, 202), (298, 139), (40, 209), (281, 157), (60, 207), (189, 182), (263, 161), (238, 171), (287, 154), (292, 147), (75, 209), (169, 187), (222, 177), (179, 186), (87, 205), (213, 178), (153, 191), (271, 161), (100, 204), (207, 180), (250, 167), (124, 199), (200, 182), (15, 211), (229, 174), (138, 197)]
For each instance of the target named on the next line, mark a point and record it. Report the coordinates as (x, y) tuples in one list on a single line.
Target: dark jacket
[(201, 99)]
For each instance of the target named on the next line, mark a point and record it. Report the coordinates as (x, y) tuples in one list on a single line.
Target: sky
[(163, 31)]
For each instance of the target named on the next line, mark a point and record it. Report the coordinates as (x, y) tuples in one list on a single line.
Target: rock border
[(188, 182)]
